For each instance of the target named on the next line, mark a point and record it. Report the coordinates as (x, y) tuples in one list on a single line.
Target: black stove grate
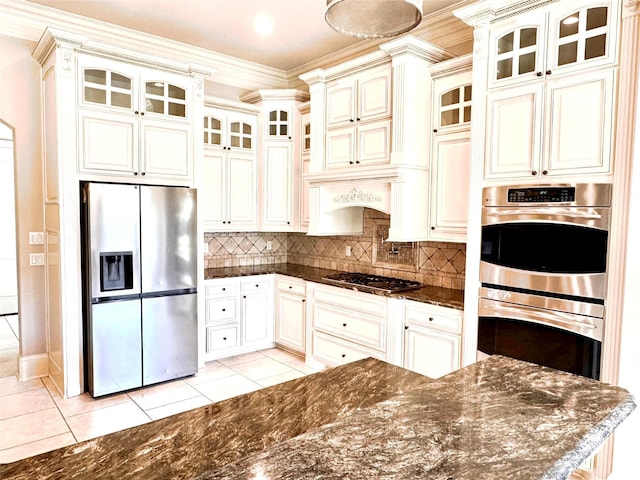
[(375, 282)]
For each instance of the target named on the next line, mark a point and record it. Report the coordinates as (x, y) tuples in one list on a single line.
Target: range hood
[(337, 201)]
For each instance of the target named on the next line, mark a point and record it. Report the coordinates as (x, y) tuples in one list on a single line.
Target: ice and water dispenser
[(116, 271)]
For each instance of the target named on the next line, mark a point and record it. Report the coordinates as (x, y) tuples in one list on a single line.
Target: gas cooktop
[(373, 282)]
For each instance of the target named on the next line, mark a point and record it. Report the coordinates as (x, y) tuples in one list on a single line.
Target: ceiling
[(300, 34)]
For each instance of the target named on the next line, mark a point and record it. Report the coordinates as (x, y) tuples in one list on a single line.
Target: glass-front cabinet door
[(455, 107), (107, 88)]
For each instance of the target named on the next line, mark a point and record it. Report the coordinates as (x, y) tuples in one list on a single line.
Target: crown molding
[(29, 21)]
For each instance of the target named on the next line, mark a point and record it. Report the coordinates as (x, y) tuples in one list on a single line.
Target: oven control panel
[(541, 195)]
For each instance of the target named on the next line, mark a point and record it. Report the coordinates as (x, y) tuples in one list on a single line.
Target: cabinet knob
[(290, 286), (141, 113), (548, 72), (344, 324), (406, 327), (351, 120), (224, 338), (257, 285), (344, 355), (433, 228), (350, 163), (538, 74), (244, 296), (534, 172), (304, 300), (431, 319), (288, 223), (435, 130), (135, 173), (143, 174), (223, 289), (357, 161), (357, 119), (545, 172), (224, 309), (136, 112)]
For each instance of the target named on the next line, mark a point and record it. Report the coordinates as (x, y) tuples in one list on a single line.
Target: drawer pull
[(224, 338), (224, 309), (431, 319), (290, 286), (344, 355)]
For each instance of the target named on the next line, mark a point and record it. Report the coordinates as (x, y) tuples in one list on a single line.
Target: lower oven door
[(561, 340)]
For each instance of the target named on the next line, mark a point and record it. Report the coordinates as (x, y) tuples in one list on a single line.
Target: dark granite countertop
[(497, 419), (445, 297)]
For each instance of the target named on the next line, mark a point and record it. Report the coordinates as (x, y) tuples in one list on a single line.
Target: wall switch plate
[(36, 259), (269, 245), (36, 238), (347, 251)]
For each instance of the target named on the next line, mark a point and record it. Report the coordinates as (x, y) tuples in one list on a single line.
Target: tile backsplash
[(432, 263)]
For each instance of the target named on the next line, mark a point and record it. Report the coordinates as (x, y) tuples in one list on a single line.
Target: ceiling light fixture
[(373, 18), (263, 24)]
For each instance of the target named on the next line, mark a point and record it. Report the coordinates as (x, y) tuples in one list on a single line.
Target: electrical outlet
[(347, 251), (36, 238), (36, 259), (269, 245)]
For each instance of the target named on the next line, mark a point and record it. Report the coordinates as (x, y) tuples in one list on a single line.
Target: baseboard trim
[(33, 366)]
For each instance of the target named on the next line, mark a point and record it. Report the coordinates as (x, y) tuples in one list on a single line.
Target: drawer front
[(221, 309), (216, 289), (366, 330), (333, 351), (292, 287), (362, 302), (222, 338), (442, 318), (255, 286)]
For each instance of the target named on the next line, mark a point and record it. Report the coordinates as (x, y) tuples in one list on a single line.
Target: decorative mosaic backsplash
[(436, 263)]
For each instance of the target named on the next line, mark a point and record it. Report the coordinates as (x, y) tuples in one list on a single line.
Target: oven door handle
[(589, 217), (567, 321)]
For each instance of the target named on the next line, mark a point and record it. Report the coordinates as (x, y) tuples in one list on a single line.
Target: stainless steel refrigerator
[(139, 276)]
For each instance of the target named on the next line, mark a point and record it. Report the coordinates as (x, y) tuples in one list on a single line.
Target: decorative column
[(622, 302)]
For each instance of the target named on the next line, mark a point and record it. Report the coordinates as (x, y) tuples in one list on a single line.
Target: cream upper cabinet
[(543, 66), (229, 193), (359, 119), (305, 159), (570, 35), (450, 157), (134, 122)]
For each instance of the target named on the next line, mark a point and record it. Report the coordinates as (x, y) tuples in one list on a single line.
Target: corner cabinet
[(280, 157), (134, 122), (432, 339), (543, 64), (229, 188)]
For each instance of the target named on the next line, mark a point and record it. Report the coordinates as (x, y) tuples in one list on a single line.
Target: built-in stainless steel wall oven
[(543, 274)]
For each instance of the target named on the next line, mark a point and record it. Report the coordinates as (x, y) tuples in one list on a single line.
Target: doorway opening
[(9, 320)]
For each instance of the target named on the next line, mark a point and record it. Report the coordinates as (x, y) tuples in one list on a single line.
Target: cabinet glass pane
[(95, 95), (307, 129), (177, 110), (505, 68), (596, 18), (120, 81), (450, 117), (215, 123), (569, 25), (273, 116), (505, 43), (307, 144), (246, 143), (95, 76), (120, 100), (467, 93), (235, 127), (528, 37), (153, 105), (467, 114), (176, 92), (283, 130), (284, 116), (273, 130), (568, 53), (216, 138), (246, 129), (451, 97), (155, 88), (235, 141), (527, 63), (595, 47)]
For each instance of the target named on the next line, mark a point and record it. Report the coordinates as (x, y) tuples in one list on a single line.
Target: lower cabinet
[(239, 315), (432, 339), (291, 313), (347, 326)]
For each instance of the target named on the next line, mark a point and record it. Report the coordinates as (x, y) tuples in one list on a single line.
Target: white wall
[(8, 268)]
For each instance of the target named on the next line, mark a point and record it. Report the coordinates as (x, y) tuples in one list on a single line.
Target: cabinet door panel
[(580, 124), (431, 353), (450, 186), (257, 320), (375, 94), (278, 185), (290, 328), (341, 102), (340, 147), (241, 191), (167, 149), (109, 143), (374, 142), (212, 193), (513, 147)]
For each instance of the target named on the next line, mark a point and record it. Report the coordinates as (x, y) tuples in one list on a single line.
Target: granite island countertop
[(445, 297), (496, 419)]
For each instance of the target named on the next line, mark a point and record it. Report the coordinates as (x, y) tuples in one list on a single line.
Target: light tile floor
[(34, 418)]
